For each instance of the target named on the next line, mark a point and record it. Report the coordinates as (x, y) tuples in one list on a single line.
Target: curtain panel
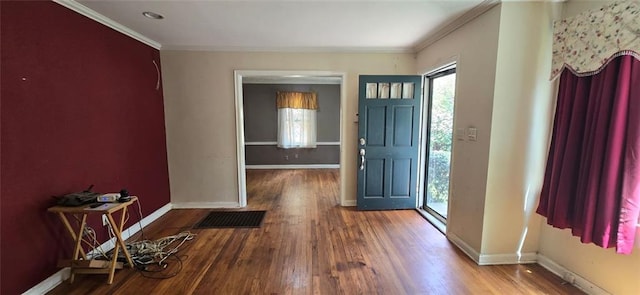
[(592, 177), (297, 123), (297, 100), (584, 44)]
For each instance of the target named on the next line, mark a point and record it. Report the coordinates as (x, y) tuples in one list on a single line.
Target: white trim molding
[(571, 277), (510, 258), (464, 247), (92, 14), (57, 278), (449, 27), (492, 259), (276, 143), (260, 143), (49, 283), (239, 77), (349, 203), (389, 50), (205, 205), (301, 166)]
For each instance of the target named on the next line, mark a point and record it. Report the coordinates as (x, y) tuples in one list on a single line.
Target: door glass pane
[(407, 90), (383, 90), (372, 90), (396, 90), (440, 138)]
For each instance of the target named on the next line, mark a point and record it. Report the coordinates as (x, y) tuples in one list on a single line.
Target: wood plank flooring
[(309, 244)]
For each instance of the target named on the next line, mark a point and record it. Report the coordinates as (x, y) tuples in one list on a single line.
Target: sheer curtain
[(297, 119)]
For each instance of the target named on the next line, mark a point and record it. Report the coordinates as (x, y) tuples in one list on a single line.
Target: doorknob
[(362, 152)]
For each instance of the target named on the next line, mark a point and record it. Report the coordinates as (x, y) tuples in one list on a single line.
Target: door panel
[(402, 121), (374, 182), (376, 128), (388, 141), (401, 184)]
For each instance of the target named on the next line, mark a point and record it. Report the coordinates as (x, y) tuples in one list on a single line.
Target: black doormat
[(232, 219)]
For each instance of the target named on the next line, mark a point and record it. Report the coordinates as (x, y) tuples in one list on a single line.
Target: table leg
[(116, 249), (118, 233), (70, 230), (76, 250)]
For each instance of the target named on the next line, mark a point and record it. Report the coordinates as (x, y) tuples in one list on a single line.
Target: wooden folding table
[(79, 262)]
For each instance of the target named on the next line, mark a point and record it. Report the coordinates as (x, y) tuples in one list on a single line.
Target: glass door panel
[(442, 96)]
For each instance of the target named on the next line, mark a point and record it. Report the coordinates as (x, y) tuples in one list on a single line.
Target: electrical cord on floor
[(156, 270), (155, 256), (151, 258)]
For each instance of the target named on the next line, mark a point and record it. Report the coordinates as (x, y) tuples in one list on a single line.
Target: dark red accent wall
[(79, 106)]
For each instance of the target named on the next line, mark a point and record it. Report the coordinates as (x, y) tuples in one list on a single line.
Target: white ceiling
[(303, 25)]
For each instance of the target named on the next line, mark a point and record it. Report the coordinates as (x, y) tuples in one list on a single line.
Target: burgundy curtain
[(592, 178)]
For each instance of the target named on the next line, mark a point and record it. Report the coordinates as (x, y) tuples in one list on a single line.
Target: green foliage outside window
[(440, 136)]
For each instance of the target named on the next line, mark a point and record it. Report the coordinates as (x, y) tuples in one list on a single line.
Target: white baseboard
[(571, 277), (348, 203), (492, 259), (302, 166), (510, 258), (205, 205), (472, 253), (57, 278), (49, 283)]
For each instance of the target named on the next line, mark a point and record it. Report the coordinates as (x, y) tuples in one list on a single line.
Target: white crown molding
[(381, 50), (453, 25), (92, 14)]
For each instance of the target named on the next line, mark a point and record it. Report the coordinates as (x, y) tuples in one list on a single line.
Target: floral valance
[(297, 100), (588, 41)]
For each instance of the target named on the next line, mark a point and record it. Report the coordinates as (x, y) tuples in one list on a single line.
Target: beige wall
[(521, 121), (473, 47), (615, 273), (200, 114), (503, 62)]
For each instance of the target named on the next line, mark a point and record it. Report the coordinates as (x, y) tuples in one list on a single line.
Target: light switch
[(472, 134), (460, 133)]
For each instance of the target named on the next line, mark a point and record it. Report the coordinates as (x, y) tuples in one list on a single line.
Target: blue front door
[(388, 127)]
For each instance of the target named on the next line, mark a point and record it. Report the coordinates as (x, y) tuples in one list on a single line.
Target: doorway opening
[(280, 77), (439, 142)]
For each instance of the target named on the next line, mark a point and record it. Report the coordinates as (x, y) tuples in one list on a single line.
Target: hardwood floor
[(308, 244)]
